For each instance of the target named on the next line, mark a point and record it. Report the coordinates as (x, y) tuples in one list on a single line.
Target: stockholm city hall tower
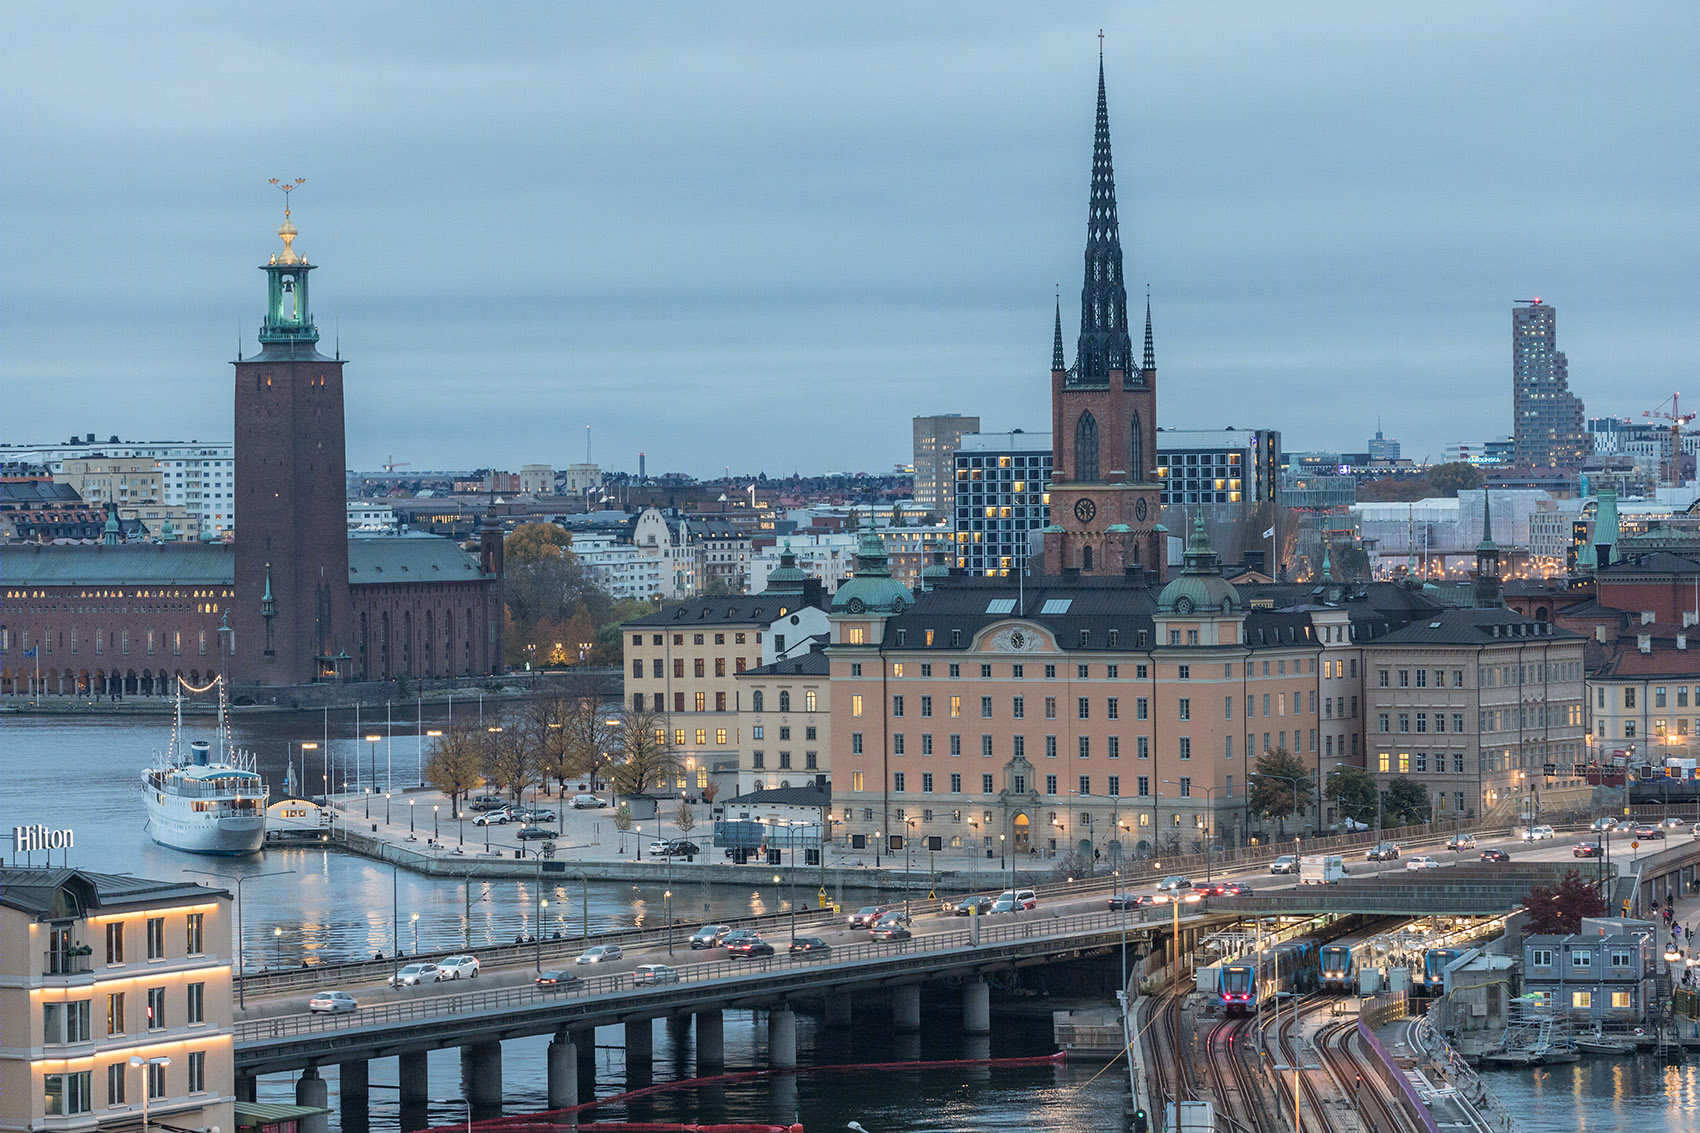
[(1105, 501), (292, 616)]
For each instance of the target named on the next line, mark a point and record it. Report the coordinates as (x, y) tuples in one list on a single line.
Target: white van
[(588, 802), (1321, 869)]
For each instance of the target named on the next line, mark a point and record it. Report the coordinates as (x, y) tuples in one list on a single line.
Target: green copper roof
[(1200, 587)]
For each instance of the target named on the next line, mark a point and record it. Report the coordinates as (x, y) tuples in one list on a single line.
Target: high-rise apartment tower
[(1548, 423)]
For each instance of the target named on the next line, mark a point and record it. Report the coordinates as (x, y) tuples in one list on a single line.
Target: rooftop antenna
[(339, 338), (587, 444), (239, 338)]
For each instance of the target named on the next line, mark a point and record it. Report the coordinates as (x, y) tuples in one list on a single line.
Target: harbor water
[(84, 773)]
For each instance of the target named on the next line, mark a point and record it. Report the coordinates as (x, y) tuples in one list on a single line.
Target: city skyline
[(535, 238)]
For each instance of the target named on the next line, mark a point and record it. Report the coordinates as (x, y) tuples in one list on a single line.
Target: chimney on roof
[(1647, 617)]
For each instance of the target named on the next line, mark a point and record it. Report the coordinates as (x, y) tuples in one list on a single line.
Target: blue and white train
[(1288, 968), (1430, 979)]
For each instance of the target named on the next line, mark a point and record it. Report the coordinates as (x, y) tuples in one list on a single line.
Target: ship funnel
[(199, 751)]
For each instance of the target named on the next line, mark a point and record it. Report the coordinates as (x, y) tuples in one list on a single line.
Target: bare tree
[(644, 754), (509, 758), (685, 818), (586, 731)]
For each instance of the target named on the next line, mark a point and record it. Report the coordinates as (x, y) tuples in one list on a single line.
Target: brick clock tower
[(291, 611), (1104, 498)]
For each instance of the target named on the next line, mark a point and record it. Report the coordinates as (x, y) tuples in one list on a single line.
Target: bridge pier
[(711, 1040), (353, 1085), (310, 1089), (413, 1073), (906, 1007), (782, 1037), (640, 1044), (976, 1008), (245, 1087), (481, 1075), (563, 1072)]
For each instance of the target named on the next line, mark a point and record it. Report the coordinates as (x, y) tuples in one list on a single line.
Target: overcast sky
[(765, 236)]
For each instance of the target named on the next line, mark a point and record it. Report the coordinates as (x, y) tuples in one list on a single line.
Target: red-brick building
[(294, 600)]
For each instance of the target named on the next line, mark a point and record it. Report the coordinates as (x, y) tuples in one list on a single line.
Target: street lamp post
[(410, 803), (146, 1065), (372, 780), (667, 911), (1295, 1068), (908, 862), (415, 919), (1210, 827), (241, 989), (386, 808), (876, 849)]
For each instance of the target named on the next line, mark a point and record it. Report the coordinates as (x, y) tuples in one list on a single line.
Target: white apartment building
[(198, 476)]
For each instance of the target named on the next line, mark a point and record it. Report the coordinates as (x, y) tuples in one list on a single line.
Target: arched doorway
[(1021, 835)]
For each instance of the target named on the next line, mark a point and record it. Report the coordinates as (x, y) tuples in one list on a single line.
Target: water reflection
[(1601, 1094)]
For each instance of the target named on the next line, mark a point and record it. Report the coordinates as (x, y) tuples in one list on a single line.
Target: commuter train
[(1286, 968), (1429, 980), (1338, 964)]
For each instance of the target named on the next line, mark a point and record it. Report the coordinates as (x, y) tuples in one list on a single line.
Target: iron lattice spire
[(1058, 362), (1104, 342), (1150, 363)]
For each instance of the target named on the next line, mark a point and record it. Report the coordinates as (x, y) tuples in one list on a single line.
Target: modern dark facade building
[(1548, 423), (1105, 501)]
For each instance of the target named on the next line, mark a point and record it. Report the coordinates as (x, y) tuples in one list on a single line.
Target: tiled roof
[(812, 664), (128, 564), (741, 609), (1457, 626), (36, 891), (392, 559)]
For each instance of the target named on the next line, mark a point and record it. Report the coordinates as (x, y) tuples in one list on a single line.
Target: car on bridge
[(1119, 901), (709, 935), (1601, 825), (748, 947), (599, 954), (332, 1003), (1174, 883), (494, 818), (1585, 850), (1539, 834), (1286, 863), (1649, 831), (1461, 842), (415, 974), (809, 946), (454, 967), (1495, 856), (1673, 823), (867, 915), (654, 975), (1382, 852), (530, 833), (890, 930), (1422, 861), (968, 906), (551, 979), (1227, 889)]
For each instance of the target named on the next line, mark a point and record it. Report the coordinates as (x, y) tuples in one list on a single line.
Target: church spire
[(1150, 363), (1104, 342), (1058, 362)]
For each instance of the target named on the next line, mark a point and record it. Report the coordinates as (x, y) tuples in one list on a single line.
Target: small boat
[(202, 804), (1594, 1042)]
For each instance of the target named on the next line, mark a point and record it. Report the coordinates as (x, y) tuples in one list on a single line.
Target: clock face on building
[(1139, 510), (1084, 510)]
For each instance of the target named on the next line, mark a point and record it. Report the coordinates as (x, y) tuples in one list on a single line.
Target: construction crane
[(392, 464), (1677, 420)]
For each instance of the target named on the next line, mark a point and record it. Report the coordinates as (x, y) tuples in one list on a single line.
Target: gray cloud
[(764, 236)]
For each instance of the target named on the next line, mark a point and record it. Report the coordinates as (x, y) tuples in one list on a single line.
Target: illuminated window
[(720, 736), (856, 705), (702, 736)]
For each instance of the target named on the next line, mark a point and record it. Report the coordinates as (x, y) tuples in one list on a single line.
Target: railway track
[(1342, 1093)]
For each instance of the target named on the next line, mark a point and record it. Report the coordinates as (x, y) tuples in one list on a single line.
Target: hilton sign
[(28, 839)]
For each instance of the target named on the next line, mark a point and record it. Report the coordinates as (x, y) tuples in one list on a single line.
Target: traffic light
[(1141, 1123)]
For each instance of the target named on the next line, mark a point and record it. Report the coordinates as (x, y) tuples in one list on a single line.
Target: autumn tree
[(1279, 785), (509, 759), (643, 751), (1560, 911), (456, 763), (545, 587), (685, 818)]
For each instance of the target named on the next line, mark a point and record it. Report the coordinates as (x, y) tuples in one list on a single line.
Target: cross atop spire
[(1104, 343)]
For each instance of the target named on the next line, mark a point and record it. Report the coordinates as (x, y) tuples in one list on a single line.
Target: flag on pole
[(1270, 534)]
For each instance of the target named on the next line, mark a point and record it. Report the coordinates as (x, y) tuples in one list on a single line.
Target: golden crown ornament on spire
[(287, 230)]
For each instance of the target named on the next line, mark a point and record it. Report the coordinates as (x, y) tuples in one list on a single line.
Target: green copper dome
[(871, 588), (1200, 587)]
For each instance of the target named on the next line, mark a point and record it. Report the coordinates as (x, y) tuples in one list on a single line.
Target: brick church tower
[(291, 610), (1104, 499)]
